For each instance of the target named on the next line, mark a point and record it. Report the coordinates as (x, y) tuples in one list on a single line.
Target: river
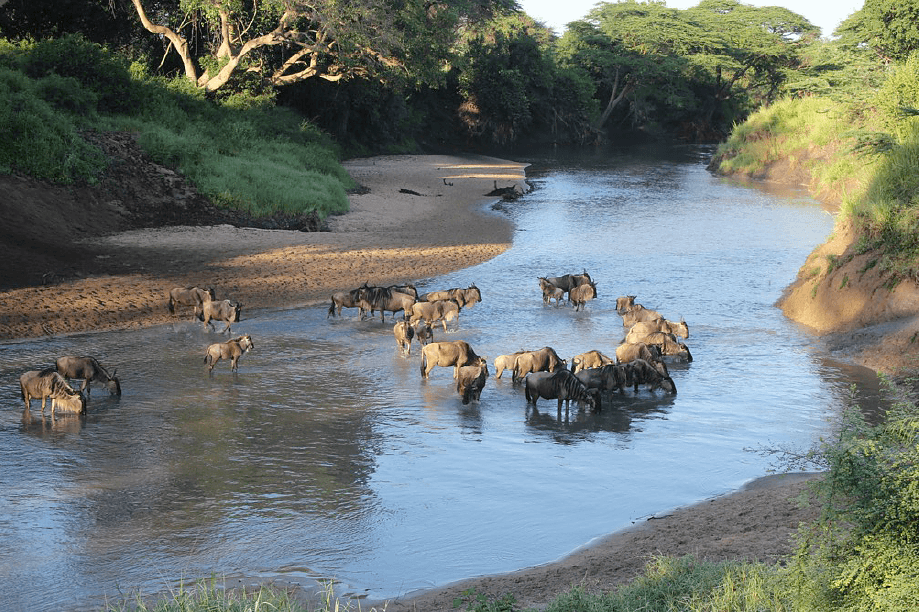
[(328, 457)]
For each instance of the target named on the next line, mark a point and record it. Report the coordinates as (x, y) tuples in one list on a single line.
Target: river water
[(327, 456)]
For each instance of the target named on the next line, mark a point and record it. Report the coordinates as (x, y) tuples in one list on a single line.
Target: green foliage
[(480, 602), (891, 27), (245, 153), (898, 93)]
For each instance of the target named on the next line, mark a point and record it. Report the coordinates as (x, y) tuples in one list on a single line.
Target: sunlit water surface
[(327, 456)]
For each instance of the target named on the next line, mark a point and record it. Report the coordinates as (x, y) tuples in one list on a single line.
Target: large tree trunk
[(615, 97)]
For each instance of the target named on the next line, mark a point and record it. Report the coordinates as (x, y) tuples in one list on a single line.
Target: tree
[(286, 41), (890, 27)]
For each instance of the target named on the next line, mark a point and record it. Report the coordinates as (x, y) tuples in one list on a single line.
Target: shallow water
[(327, 456)]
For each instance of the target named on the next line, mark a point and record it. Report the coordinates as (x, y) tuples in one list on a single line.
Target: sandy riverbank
[(423, 216)]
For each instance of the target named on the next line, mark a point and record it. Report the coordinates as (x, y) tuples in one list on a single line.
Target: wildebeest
[(346, 299), (580, 295), (561, 385), (567, 282), (667, 344), (624, 303), (506, 362), (630, 351), (47, 383), (231, 349), (680, 329), (470, 380), (656, 337), (436, 311), (424, 333), (404, 332), (386, 299), (639, 313), (90, 370), (542, 360), (644, 373), (464, 297), (457, 354), (606, 378), (590, 359), (551, 292), (222, 310), (189, 296)]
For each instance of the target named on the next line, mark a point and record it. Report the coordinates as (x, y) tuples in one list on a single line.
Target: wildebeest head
[(113, 384)]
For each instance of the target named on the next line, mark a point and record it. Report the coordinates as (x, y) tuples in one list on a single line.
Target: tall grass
[(244, 153)]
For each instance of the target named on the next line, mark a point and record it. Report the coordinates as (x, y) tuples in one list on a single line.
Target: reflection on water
[(327, 455)]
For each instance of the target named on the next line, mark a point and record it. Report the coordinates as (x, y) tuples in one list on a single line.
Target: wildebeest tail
[(331, 309), (171, 305), (424, 362)]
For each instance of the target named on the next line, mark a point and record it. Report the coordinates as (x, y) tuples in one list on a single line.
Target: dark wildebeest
[(643, 373), (404, 333), (590, 359), (543, 360), (606, 378), (424, 333), (386, 299), (464, 297), (346, 299), (432, 312), (189, 296), (680, 329), (222, 310), (470, 381), (90, 370), (580, 295), (231, 349), (47, 383), (506, 362), (561, 385), (624, 304), (567, 282), (639, 313), (446, 354)]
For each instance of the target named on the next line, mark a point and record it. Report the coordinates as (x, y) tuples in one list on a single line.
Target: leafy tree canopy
[(890, 27)]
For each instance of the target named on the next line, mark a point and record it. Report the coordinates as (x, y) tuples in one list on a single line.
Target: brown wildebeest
[(47, 383), (580, 295), (551, 292), (464, 297), (386, 299), (567, 282), (639, 313), (657, 337), (404, 333), (470, 381), (590, 359), (624, 304), (542, 360), (424, 333), (446, 354), (90, 370), (346, 299), (189, 296), (680, 329), (506, 362), (231, 349), (667, 344), (436, 311), (643, 373), (630, 351), (561, 385), (223, 310)]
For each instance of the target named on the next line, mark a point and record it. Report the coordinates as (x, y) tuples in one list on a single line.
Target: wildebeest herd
[(641, 360), (52, 382)]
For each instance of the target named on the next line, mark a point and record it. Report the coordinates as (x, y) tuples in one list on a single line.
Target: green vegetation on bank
[(243, 152)]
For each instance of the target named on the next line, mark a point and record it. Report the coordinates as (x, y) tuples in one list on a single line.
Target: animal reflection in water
[(231, 349), (89, 370), (47, 383)]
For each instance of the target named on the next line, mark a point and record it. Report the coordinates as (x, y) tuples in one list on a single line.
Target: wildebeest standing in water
[(624, 304), (567, 282), (445, 354), (542, 360), (467, 297), (580, 295), (346, 299), (224, 310), (590, 359), (47, 383), (189, 296), (231, 349), (386, 299), (404, 333), (561, 385), (90, 370), (644, 373), (506, 362), (424, 333), (470, 380)]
